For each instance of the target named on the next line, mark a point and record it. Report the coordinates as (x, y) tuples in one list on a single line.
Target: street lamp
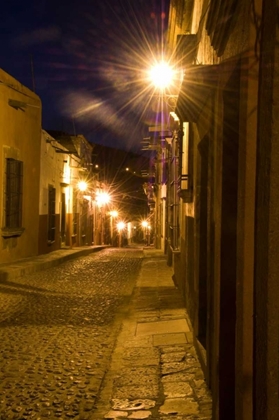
[(114, 213), (120, 227), (102, 198), (82, 185), (161, 75), (145, 226), (165, 82), (165, 78)]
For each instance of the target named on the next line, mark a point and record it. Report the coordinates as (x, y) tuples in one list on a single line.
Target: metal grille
[(13, 193)]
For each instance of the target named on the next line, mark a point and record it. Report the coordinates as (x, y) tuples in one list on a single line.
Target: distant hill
[(114, 162), (122, 172)]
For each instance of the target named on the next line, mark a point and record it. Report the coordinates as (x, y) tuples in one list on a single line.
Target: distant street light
[(82, 185), (146, 231), (120, 227), (102, 198), (114, 213)]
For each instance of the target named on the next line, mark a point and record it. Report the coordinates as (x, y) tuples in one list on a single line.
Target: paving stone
[(139, 391), (161, 327), (115, 414), (168, 339), (136, 404), (177, 389), (178, 356), (174, 406), (168, 368), (140, 415)]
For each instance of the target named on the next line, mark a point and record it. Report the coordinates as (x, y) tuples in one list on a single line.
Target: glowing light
[(120, 226), (128, 79), (161, 75), (144, 223), (66, 173), (114, 213), (102, 198), (82, 185), (174, 116)]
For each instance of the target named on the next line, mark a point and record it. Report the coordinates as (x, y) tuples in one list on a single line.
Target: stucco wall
[(266, 321), (237, 37), (20, 139)]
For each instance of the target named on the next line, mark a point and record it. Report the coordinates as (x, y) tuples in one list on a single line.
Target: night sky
[(86, 60)]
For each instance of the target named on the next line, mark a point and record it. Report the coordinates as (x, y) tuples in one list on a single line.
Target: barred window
[(13, 193), (51, 214)]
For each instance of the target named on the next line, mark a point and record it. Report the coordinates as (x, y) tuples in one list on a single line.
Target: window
[(186, 163), (51, 214), (13, 198)]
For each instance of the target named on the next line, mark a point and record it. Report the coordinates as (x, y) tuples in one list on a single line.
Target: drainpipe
[(175, 191)]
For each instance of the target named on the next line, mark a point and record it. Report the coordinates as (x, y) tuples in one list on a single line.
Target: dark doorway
[(190, 267), (229, 247), (84, 222), (203, 221), (63, 219)]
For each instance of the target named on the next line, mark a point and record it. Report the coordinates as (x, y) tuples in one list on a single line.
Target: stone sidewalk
[(155, 372)]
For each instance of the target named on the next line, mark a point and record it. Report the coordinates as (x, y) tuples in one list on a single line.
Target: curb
[(32, 265)]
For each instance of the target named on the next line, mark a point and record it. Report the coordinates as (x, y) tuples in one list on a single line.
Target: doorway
[(63, 220), (228, 264), (203, 231)]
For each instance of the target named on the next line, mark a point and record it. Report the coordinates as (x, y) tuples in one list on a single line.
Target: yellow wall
[(20, 139)]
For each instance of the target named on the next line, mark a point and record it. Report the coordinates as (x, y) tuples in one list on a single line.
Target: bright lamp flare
[(82, 185), (120, 225), (114, 213), (102, 198), (161, 75)]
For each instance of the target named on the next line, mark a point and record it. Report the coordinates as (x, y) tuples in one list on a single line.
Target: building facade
[(20, 131), (217, 188), (68, 192), (50, 189), (56, 194)]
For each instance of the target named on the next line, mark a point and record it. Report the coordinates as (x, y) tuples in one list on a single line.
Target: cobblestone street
[(58, 328)]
